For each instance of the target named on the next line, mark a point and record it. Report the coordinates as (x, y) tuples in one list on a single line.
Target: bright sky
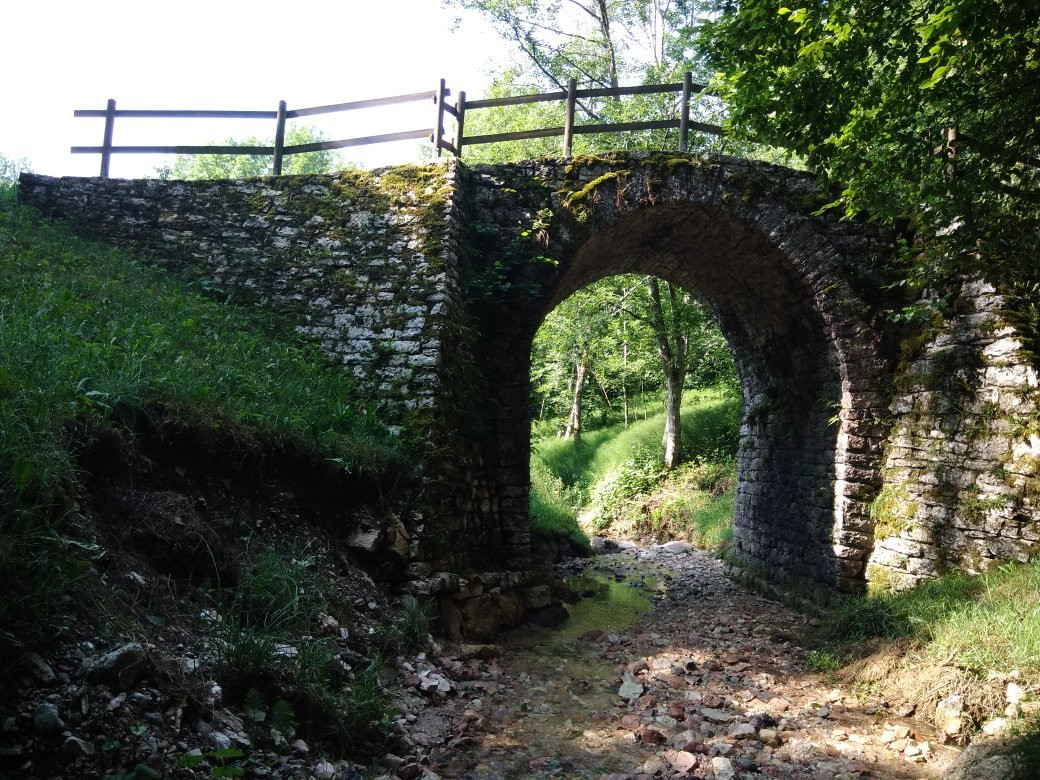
[(225, 54)]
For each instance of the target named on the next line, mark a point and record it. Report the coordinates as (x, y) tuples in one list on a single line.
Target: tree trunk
[(673, 353), (673, 392), (573, 429)]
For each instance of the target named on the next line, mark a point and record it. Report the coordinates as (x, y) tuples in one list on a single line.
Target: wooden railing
[(686, 89)]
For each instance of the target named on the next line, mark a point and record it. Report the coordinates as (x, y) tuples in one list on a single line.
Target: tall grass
[(986, 622)]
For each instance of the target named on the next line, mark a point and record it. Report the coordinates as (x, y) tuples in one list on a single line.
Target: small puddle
[(609, 603)]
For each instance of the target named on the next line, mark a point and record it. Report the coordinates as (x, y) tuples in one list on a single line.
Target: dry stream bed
[(665, 669)]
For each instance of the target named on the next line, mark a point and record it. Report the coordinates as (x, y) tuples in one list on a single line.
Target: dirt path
[(706, 684)]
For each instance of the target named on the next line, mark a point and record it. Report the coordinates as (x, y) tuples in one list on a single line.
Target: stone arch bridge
[(860, 457)]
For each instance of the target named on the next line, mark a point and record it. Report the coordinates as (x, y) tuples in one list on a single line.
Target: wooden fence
[(686, 89)]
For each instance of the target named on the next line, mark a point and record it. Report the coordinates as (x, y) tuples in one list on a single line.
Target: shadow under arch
[(808, 360)]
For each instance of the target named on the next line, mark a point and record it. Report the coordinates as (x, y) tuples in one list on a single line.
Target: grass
[(86, 330), (610, 465), (709, 428), (981, 623), (986, 625)]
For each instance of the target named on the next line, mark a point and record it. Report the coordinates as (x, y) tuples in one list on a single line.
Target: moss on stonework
[(892, 511), (881, 579), (975, 507), (581, 202)]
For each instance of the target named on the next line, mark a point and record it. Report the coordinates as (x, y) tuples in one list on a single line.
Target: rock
[(78, 748), (549, 616), (538, 596), (630, 689), (677, 547), (299, 747), (949, 715), (716, 716), (723, 768), (479, 652), (741, 730), (479, 617), (650, 736), (985, 760), (122, 667), (995, 727), (219, 740), (46, 720), (1015, 693), (680, 760), (653, 765), (366, 540), (40, 669), (323, 770), (409, 771), (601, 545)]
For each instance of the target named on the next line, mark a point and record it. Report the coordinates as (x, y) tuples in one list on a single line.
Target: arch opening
[(802, 495)]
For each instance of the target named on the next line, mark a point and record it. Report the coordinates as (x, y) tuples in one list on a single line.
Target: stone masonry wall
[(961, 487)]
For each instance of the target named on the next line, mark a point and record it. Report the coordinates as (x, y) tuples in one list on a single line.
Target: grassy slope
[(960, 633), (567, 476), (86, 328)]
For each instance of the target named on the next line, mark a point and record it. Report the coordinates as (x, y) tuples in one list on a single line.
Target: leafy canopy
[(919, 108)]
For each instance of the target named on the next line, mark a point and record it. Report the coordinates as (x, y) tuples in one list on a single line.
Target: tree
[(919, 109), (238, 166), (601, 43)]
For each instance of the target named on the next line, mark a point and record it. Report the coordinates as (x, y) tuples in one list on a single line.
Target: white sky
[(59, 55)]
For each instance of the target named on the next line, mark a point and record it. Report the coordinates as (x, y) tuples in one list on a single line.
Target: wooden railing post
[(684, 115), (438, 128), (106, 144), (279, 138), (460, 119), (568, 122)]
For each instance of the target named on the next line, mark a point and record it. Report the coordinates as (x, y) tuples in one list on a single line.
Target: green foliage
[(416, 622), (283, 718), (868, 91), (554, 507), (621, 482), (222, 763), (238, 166), (614, 464), (280, 590), (606, 44), (359, 719), (411, 632)]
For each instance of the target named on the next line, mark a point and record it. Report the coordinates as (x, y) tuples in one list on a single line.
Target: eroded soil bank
[(707, 683)]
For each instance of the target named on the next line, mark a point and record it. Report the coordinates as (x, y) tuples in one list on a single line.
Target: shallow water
[(615, 604)]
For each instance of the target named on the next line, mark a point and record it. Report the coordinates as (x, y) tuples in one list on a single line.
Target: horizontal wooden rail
[(173, 149), (412, 97), (438, 96), (320, 146), (163, 114), (616, 127)]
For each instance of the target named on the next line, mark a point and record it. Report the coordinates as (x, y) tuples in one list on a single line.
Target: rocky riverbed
[(709, 683)]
